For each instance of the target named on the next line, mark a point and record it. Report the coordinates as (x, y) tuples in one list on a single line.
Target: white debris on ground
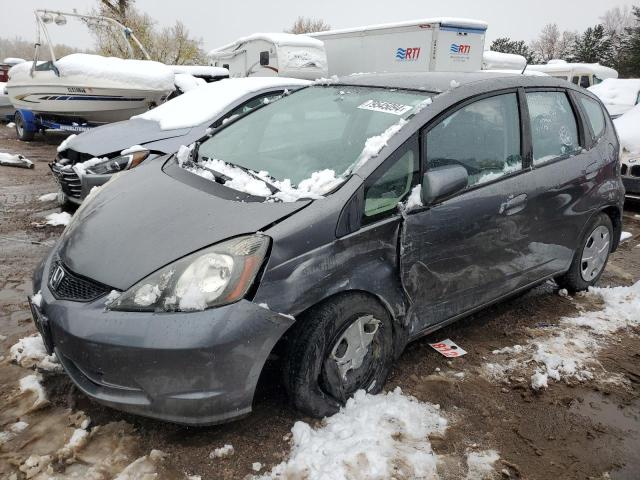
[(383, 436), (415, 199), (568, 352), (625, 236), (11, 159), (374, 145), (222, 452), (65, 143), (58, 219), (11, 125), (29, 352), (480, 465), (256, 466), (31, 384), (79, 438), (48, 197), (144, 468)]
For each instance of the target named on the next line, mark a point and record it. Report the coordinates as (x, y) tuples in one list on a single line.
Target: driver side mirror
[(441, 182)]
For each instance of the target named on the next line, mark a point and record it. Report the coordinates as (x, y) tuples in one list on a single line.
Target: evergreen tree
[(518, 47), (594, 45), (630, 48)]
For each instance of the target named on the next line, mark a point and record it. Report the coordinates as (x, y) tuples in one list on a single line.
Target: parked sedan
[(91, 158), (334, 225)]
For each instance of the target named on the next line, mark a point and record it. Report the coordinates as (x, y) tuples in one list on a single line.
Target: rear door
[(472, 248)]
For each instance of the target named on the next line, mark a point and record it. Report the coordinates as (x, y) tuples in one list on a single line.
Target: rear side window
[(594, 114), (483, 137), (554, 132)]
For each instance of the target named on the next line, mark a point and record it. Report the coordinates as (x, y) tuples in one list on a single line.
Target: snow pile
[(85, 69), (200, 70), (415, 199), (79, 438), (380, 436), (9, 158), (319, 184), (617, 91), (239, 179), (374, 145), (567, 352), (48, 197), (58, 219), (31, 384), (30, 352), (206, 103), (628, 130), (480, 465), (65, 143), (186, 82), (502, 61), (144, 468), (222, 452), (624, 236)]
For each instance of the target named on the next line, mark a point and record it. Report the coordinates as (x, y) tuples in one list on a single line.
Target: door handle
[(591, 170), (513, 204)]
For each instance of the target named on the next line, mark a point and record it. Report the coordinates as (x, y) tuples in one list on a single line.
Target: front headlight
[(117, 164), (211, 277)]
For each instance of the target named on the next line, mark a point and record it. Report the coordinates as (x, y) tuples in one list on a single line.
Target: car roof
[(442, 81)]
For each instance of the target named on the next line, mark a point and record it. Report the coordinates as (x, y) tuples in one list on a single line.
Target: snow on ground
[(57, 219), (48, 197), (29, 352), (567, 352), (628, 131), (11, 125), (625, 236), (222, 452), (10, 158), (187, 110), (84, 68), (31, 384)]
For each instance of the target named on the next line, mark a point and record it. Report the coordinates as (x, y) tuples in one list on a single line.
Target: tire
[(312, 374), (579, 278), (21, 130)]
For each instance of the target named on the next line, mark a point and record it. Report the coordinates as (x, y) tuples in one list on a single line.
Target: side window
[(584, 81), (392, 186), (576, 79), (483, 137), (594, 114), (554, 132)]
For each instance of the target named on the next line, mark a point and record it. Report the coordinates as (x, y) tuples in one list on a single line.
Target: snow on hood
[(85, 69), (628, 128), (207, 102), (278, 39), (617, 91)]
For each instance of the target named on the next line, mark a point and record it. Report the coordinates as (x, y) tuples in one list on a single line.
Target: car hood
[(115, 137), (144, 219)]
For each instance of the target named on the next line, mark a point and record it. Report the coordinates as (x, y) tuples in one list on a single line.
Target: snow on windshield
[(206, 103)]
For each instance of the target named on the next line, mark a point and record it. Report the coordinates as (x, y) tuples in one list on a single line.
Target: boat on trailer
[(81, 90)]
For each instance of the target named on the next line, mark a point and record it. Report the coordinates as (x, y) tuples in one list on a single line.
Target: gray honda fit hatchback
[(340, 223)]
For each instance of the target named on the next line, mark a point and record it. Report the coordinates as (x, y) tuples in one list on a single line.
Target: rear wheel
[(591, 256), (337, 348), (22, 131)]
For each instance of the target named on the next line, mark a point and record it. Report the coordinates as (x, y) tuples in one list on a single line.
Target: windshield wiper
[(272, 188)]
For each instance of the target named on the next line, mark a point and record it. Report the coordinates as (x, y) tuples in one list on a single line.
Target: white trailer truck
[(271, 55), (433, 44)]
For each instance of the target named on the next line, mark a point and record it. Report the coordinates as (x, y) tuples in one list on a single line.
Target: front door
[(472, 248)]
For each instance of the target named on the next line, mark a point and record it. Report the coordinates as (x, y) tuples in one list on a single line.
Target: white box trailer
[(271, 55), (433, 44)]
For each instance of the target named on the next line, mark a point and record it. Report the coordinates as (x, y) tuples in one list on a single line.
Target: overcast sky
[(220, 22)]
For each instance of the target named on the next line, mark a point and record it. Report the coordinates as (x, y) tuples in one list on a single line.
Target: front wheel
[(590, 257), (335, 349), (22, 131)]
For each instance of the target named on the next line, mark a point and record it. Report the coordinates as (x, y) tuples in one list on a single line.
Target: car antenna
[(525, 67)]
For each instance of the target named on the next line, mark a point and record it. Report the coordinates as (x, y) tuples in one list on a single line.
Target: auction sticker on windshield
[(385, 107)]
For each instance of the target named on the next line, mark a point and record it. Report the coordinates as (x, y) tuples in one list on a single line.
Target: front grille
[(66, 285), (635, 171), (68, 180)]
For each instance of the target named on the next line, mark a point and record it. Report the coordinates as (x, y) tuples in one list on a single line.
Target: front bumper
[(197, 368)]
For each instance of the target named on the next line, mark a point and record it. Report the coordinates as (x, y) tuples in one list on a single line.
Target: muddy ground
[(569, 431)]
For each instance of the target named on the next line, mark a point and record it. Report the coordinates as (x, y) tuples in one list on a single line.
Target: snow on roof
[(13, 60), (200, 70), (83, 69), (186, 82), (505, 61), (617, 91), (594, 68), (628, 131), (278, 39), (444, 21), (205, 103)]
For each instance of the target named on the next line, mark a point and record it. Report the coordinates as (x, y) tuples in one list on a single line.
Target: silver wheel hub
[(352, 347), (595, 253)]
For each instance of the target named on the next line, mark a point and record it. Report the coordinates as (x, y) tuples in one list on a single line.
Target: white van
[(583, 74), (433, 44), (271, 55)]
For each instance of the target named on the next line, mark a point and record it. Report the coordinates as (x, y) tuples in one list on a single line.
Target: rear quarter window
[(595, 115)]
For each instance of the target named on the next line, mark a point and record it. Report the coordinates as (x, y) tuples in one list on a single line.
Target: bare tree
[(616, 20), (551, 43), (21, 48), (308, 25)]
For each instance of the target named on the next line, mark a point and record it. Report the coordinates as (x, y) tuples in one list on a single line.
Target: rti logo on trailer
[(408, 54), (460, 48)]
